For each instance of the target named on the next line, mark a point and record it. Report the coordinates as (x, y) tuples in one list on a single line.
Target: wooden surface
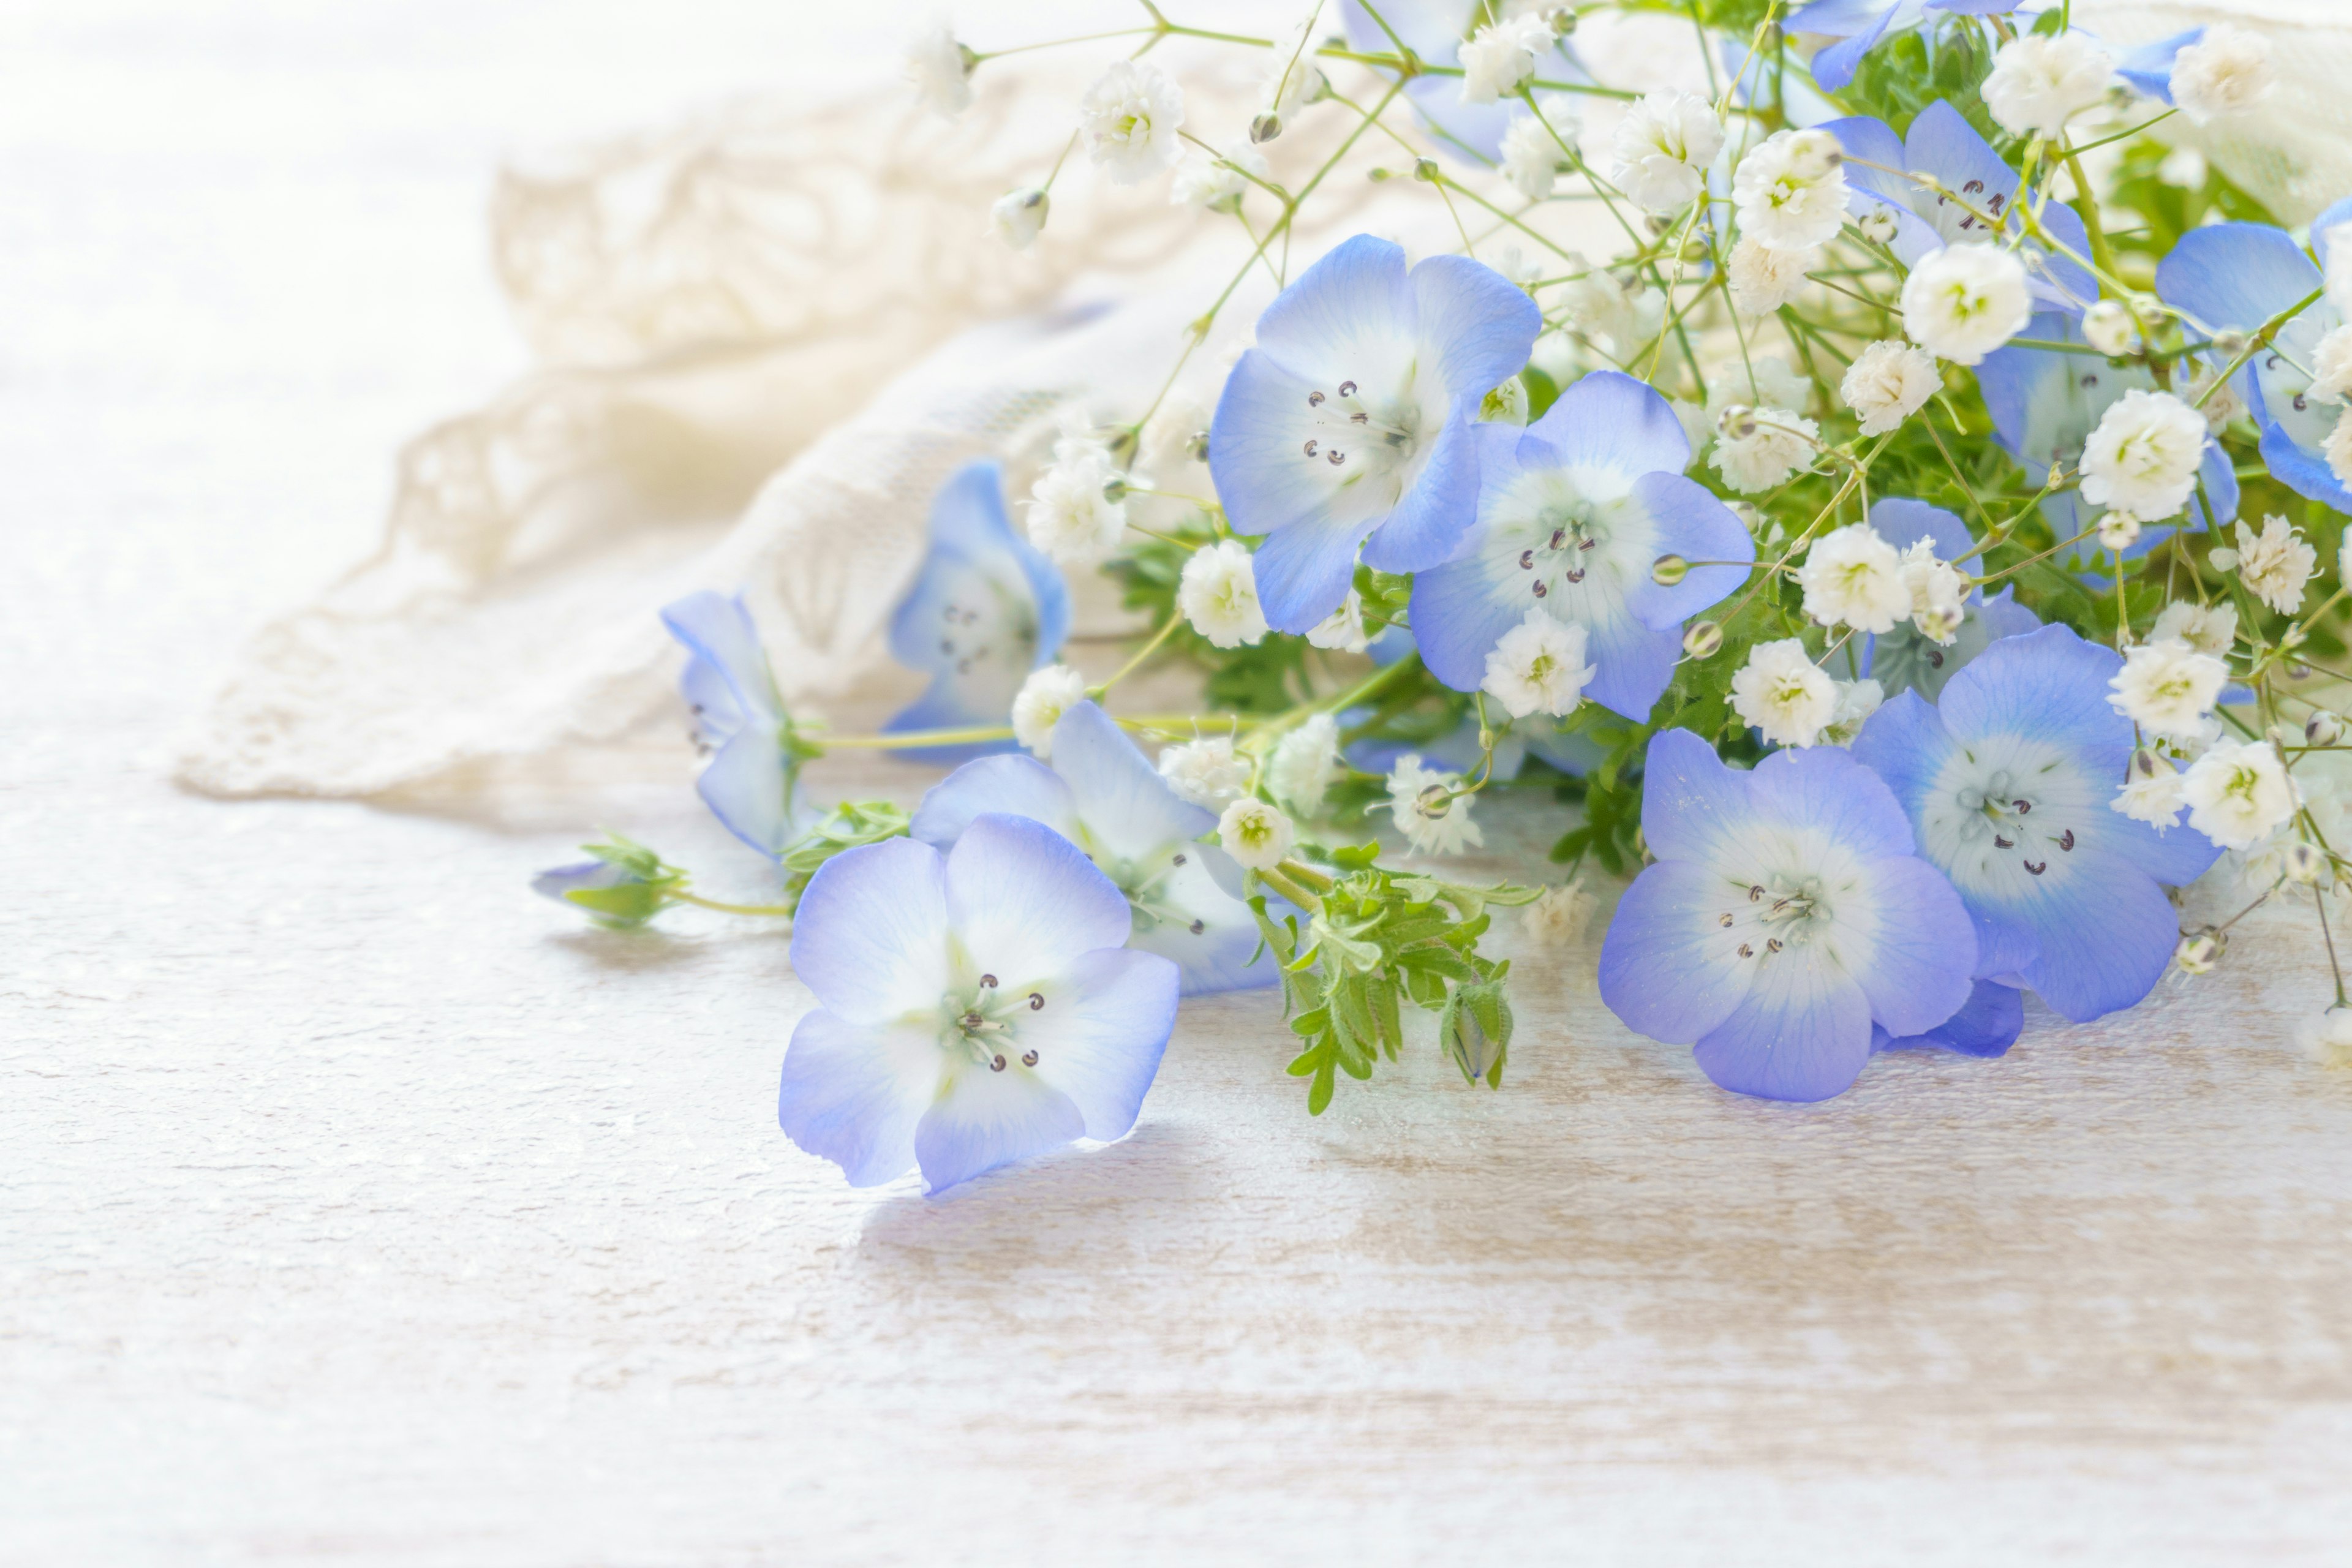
[(355, 1207)]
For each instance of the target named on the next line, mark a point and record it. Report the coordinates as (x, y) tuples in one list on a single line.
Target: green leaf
[(1319, 1093)]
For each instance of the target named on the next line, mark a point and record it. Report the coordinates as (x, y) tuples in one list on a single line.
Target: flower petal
[(2235, 274), (1986, 1025), (982, 1119), (2106, 938), (871, 935), (1024, 902), (1665, 970), (1350, 314), (1015, 786), (1688, 521), (2049, 685), (1905, 743), (1690, 799), (1427, 527), (746, 788), (1477, 326), (1923, 952), (1801, 1032), (2305, 473), (729, 666), (1256, 457), (1129, 811), (1098, 1039), (1304, 570), (1610, 423), (852, 1093), (1823, 790)]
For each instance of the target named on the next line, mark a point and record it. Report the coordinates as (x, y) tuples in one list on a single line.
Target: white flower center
[(1365, 436), (982, 1024), (2005, 815)]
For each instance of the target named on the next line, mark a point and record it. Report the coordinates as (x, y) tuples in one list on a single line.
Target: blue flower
[(1942, 144), (2008, 779), (1573, 511), (973, 1008), (1785, 918), (1860, 24), (2237, 276), (1902, 659), (1104, 796), (2044, 404), (751, 784), (1433, 30), (986, 608), (1986, 1025), (1350, 423)]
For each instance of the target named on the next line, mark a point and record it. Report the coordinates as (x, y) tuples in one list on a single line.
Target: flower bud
[(1750, 518), (1739, 422), (1018, 215), (2222, 559), (1475, 1030), (1668, 570), (2108, 327), (2231, 343), (2306, 864), (1561, 20), (1506, 405), (2197, 954), (1657, 223), (1265, 127), (1425, 170), (1704, 640), (2323, 729), (1197, 449)]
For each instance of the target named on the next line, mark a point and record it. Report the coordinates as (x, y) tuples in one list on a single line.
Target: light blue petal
[(747, 788), (1693, 524), (1430, 519), (1098, 1039), (1904, 523), (871, 935), (1304, 571), (1013, 787), (2149, 68), (2026, 391), (1924, 951), (1663, 970), (1474, 324), (1690, 799), (585, 876), (1226, 954), (726, 679), (1459, 610), (2235, 275), (852, 1093), (1128, 809), (1839, 19), (1907, 744), (1612, 424), (2106, 938), (1256, 455), (1942, 142), (1024, 902), (1834, 65), (1824, 788), (2218, 476), (1352, 309), (1801, 1033), (2304, 473), (2175, 857), (2049, 685), (2005, 617), (990, 1119), (1986, 1025), (1870, 142), (1631, 664), (2341, 212)]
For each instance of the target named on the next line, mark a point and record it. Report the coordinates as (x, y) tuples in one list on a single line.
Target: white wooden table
[(356, 1206)]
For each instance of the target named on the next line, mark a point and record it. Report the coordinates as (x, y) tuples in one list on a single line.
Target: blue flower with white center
[(1902, 660), (1785, 918), (1942, 144), (1104, 796), (1859, 24), (973, 1008), (2236, 277), (1351, 425), (752, 781), (1435, 30), (986, 608), (1573, 512), (2046, 402), (1986, 1025), (2008, 779)]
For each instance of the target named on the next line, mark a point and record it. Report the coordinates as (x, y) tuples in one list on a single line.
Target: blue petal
[(1098, 1039), (1823, 789), (1860, 24), (1986, 1025), (1474, 325), (2235, 275), (1609, 422), (2175, 857), (584, 876), (2049, 685), (2149, 67), (871, 935), (983, 1119), (1024, 902), (1925, 948), (1013, 786), (1871, 142), (1803, 1032), (2005, 617), (852, 1093), (1907, 744), (1942, 142), (1690, 799), (2106, 938), (2303, 472), (2341, 212), (1354, 307), (1904, 523), (1226, 954), (1128, 809), (1631, 664), (1692, 523), (747, 788), (1661, 971), (2026, 391), (1264, 479), (727, 676), (1430, 519), (1304, 570)]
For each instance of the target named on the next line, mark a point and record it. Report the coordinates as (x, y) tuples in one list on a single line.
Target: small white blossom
[(1966, 300), (1205, 772), (1169, 434), (1128, 120), (2167, 687), (1856, 701), (2338, 448), (1255, 834), (1780, 443), (1760, 381), (1879, 225), (2118, 530), (1216, 182), (2039, 83), (1070, 516), (2143, 457), (2108, 327), (1502, 55), (1938, 591), (1017, 215), (1790, 190), (1305, 763), (2151, 792), (1218, 593), (941, 70), (2227, 71), (2275, 563), (1531, 159), (1431, 822), (1600, 305), (1660, 151), (1342, 631), (2208, 628), (2331, 362), (1853, 577), (1045, 697), (1889, 383), (1293, 80), (2327, 1039), (1538, 667), (2237, 793), (1783, 693), (2220, 405), (1559, 916), (2339, 278), (1763, 279)]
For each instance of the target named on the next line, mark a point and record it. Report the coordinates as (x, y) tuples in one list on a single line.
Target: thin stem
[(1146, 651), (783, 911)]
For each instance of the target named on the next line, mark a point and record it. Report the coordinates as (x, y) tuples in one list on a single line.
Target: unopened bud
[(1265, 127), (2145, 764), (2108, 327), (1425, 170), (2230, 341), (1377, 175), (1561, 20), (2323, 729), (1506, 405), (1750, 518), (1939, 625), (1739, 422), (2306, 864), (2118, 530), (1197, 449), (1475, 1030), (1668, 570), (1704, 640), (2197, 954), (1657, 224)]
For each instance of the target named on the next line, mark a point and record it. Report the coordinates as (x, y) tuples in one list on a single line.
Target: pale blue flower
[(2236, 276), (986, 608), (752, 782), (1573, 513), (1104, 795), (1859, 24), (1351, 424), (1785, 917), (1986, 1025), (973, 1008), (1902, 659), (2009, 780)]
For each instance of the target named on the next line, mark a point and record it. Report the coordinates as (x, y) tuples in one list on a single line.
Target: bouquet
[(1898, 553)]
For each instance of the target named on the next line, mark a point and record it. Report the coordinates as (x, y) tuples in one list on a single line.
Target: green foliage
[(1899, 79), (633, 902), (848, 826), (1268, 677)]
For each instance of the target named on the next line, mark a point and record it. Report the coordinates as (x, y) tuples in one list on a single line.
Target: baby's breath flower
[(2118, 530), (1342, 631), (1938, 593), (2331, 364), (2238, 792), (941, 70), (2039, 83), (1790, 190), (2327, 1039), (1662, 148), (1045, 697), (1538, 667), (2275, 563), (1966, 300), (1760, 381), (1763, 279), (1889, 383), (1559, 916), (1070, 515), (1783, 693), (2167, 687), (2108, 327), (1169, 434), (1853, 577), (2220, 405), (1017, 215), (2227, 71), (1128, 120), (1205, 771), (1502, 55), (1293, 80), (1856, 701), (1255, 834), (2338, 449), (1305, 763), (2142, 459), (1216, 182), (2151, 792), (1780, 443), (1531, 160), (1218, 593), (1426, 813)]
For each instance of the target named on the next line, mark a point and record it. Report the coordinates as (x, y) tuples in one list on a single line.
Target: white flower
[(1938, 591), (1018, 215), (1169, 434), (2039, 83), (2338, 448), (1790, 190), (2227, 71), (1660, 151), (1783, 693), (2143, 457), (1600, 306), (1293, 80), (1205, 772), (1780, 443), (1761, 381), (2275, 563), (1342, 630), (1128, 120), (1432, 823), (1966, 300), (1045, 697), (1531, 159), (1763, 279), (2167, 687), (1218, 593), (2237, 793), (1559, 916), (2338, 280), (1205, 182), (2331, 362), (1305, 763), (1069, 516), (2108, 327), (1538, 667), (2327, 1039), (1501, 55), (2208, 628), (2220, 405), (1853, 577), (1255, 834), (941, 70), (1889, 383), (1856, 701), (2118, 530), (2151, 792), (1878, 225)]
